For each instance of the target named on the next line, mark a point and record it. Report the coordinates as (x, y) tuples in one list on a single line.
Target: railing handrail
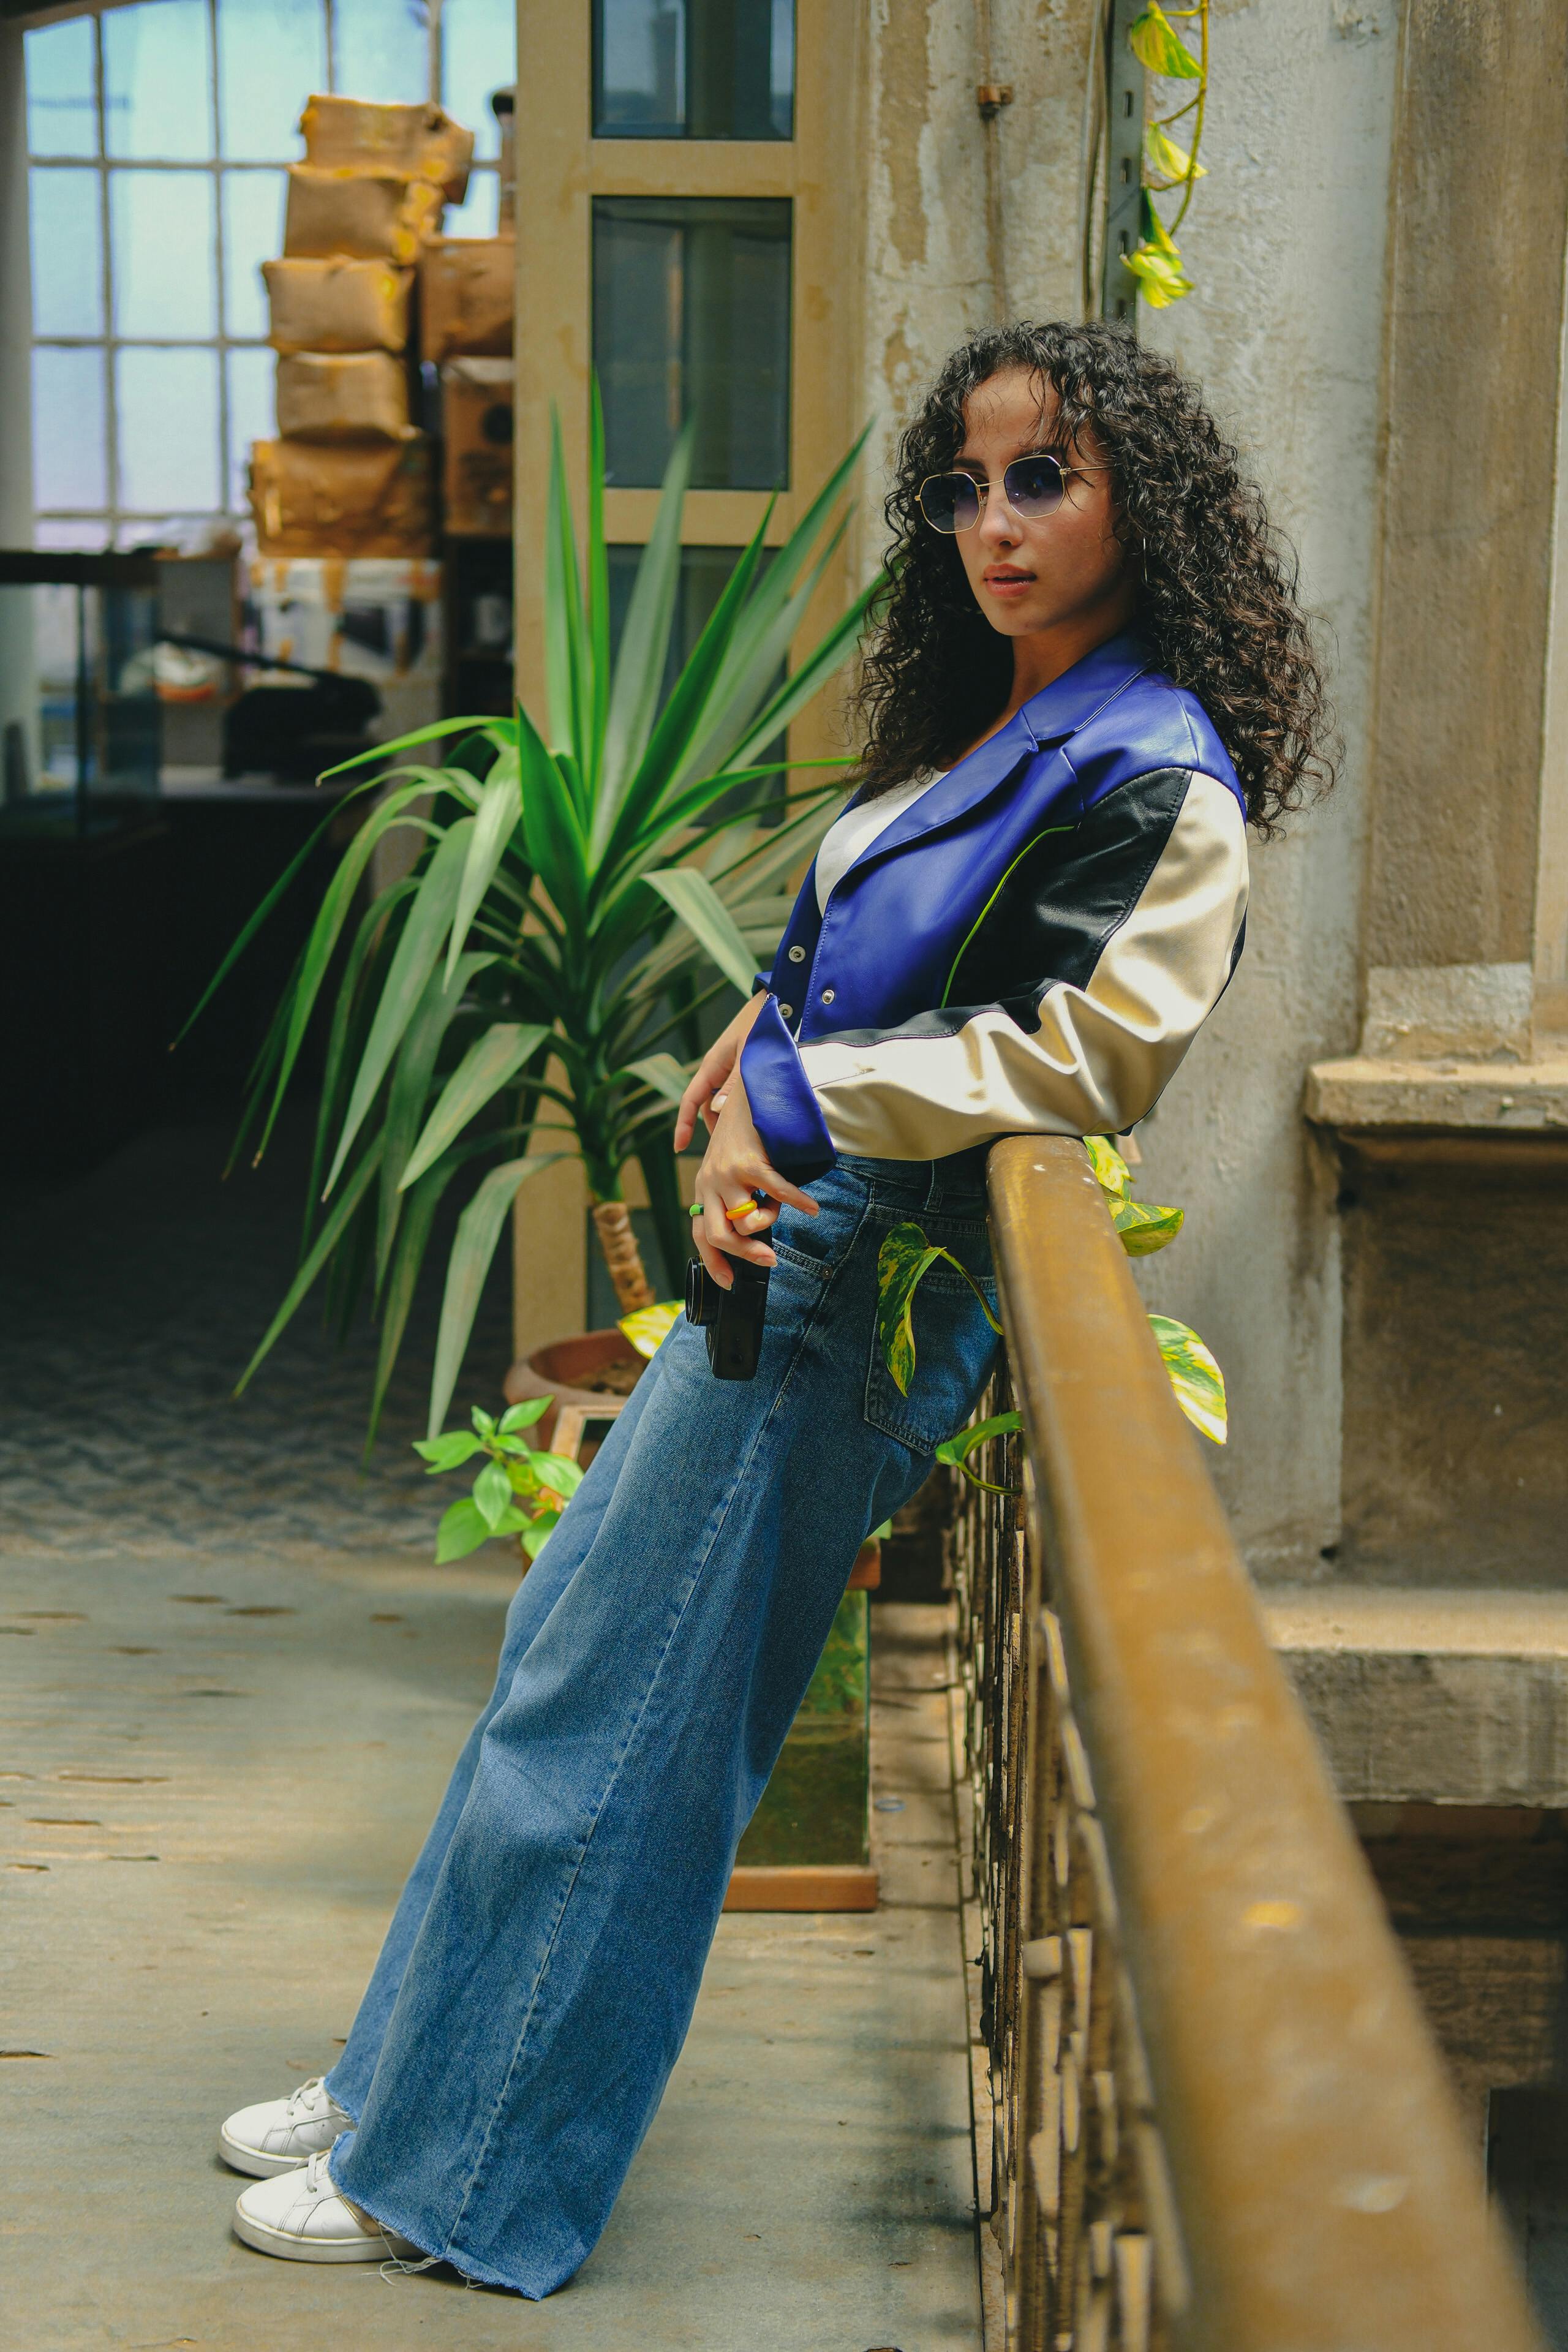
[(1322, 2193)]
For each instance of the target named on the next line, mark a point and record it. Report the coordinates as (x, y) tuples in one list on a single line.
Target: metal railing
[(1220, 2121)]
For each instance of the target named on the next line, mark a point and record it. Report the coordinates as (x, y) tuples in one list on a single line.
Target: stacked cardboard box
[(348, 474), (466, 307)]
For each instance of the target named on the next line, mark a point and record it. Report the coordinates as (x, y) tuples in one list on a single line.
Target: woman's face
[(1062, 568)]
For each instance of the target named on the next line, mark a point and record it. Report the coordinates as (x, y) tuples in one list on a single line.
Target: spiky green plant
[(578, 897)]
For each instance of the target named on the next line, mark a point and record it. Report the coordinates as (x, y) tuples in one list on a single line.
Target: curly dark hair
[(1218, 592)]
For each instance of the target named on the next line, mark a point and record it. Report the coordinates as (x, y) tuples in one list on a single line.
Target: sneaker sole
[(255, 2161), (295, 2249)]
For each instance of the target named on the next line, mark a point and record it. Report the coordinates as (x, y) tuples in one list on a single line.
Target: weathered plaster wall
[(1481, 206), (1286, 241), (929, 259)]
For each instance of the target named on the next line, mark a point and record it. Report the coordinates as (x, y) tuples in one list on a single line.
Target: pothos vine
[(1156, 261)]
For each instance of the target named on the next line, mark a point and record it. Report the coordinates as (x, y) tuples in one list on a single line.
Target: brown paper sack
[(369, 216), (364, 498), (342, 396), (337, 305), (477, 422), (421, 142), (465, 297)]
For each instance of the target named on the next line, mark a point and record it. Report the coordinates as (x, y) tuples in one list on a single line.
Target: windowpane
[(167, 408), (67, 252), (69, 469), (691, 301), (479, 55), (252, 234), (252, 417), (62, 119), (271, 54), (694, 68), (91, 534), (157, 80), (161, 228), (381, 49)]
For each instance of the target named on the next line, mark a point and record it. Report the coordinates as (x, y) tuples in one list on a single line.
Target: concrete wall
[(1286, 240)]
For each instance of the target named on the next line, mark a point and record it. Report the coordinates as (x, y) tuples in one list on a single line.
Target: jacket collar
[(1049, 716)]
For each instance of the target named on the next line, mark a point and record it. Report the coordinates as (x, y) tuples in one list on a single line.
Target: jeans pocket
[(955, 1347)]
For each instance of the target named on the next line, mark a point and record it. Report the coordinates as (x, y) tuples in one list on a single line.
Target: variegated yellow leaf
[(1195, 1375), (1170, 161), (1159, 47), (1144, 1228), (1111, 1172), (648, 1327)]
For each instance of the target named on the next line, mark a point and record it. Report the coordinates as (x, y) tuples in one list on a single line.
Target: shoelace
[(307, 2098)]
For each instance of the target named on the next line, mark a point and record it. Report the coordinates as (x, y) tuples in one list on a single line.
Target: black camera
[(733, 1318)]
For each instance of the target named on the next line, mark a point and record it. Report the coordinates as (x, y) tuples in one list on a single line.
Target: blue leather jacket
[(1030, 947)]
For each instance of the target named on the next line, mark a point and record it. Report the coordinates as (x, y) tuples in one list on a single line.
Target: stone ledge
[(1431, 1695), (1471, 1097)]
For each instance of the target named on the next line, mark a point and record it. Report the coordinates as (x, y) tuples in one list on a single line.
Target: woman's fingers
[(709, 1075), (779, 1188)]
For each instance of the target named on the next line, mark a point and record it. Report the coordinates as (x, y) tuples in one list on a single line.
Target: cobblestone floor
[(130, 1302)]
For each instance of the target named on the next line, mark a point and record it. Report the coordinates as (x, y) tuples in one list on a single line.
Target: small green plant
[(1156, 261), (519, 1492), (906, 1256)]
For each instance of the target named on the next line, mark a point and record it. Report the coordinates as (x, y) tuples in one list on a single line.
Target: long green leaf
[(473, 1247), (664, 1074), (671, 737), (500, 813), (644, 642), (397, 1296), (550, 826), (566, 655), (326, 1241), (598, 599), (706, 917), (373, 943), (431, 734), (388, 815), (490, 1061), (429, 918), (411, 1074)]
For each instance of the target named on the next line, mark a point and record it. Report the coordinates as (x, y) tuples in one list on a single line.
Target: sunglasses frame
[(983, 490)]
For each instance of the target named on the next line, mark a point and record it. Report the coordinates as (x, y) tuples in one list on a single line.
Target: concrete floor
[(231, 1686), (211, 1788)]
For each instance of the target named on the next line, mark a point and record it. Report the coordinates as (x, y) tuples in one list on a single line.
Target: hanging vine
[(1160, 49)]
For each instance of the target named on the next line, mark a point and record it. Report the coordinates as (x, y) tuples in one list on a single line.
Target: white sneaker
[(280, 2135), (302, 2216)]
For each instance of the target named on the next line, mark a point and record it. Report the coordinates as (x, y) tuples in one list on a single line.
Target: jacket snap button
[(787, 1010), (797, 955), (827, 996)]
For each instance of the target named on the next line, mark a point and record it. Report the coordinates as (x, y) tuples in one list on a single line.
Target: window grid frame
[(113, 514)]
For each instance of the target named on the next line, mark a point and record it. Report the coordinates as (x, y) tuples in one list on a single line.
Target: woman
[(1090, 673)]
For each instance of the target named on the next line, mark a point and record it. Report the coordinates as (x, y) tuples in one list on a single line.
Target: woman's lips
[(1008, 584)]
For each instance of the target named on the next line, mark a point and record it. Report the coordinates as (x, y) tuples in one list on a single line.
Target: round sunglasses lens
[(950, 502), (1033, 486)]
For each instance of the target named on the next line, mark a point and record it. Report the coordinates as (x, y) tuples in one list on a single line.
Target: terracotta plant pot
[(593, 1371)]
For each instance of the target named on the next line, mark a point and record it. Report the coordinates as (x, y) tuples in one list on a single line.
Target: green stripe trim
[(996, 894)]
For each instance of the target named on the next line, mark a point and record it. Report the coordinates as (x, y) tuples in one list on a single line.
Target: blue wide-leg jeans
[(542, 1968)]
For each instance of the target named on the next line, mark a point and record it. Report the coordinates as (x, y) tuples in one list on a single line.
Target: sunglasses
[(1032, 487)]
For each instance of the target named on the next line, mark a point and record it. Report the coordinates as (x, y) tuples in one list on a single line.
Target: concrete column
[(1285, 243), (1469, 889)]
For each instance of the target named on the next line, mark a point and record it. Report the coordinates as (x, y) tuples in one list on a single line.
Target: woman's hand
[(734, 1166), (705, 1095)]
